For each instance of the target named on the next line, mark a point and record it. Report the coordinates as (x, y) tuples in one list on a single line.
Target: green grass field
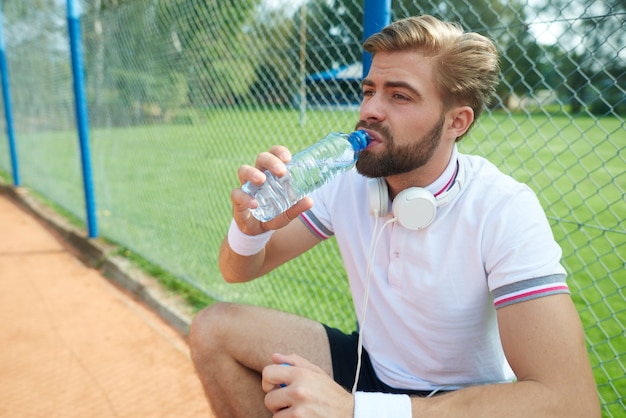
[(162, 194)]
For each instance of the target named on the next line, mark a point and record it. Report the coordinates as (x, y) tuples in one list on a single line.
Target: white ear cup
[(414, 208), (378, 194)]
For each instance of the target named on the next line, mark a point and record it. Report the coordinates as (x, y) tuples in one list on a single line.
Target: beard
[(397, 159)]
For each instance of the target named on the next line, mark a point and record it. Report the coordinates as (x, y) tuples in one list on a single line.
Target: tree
[(333, 39), (129, 78), (592, 61), (502, 21), (604, 56), (274, 40), (208, 39), (38, 58), (335, 34)]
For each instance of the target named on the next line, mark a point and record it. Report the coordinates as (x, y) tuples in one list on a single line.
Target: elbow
[(229, 279), (564, 400), (236, 272), (581, 404), (592, 407), (588, 409), (232, 277)]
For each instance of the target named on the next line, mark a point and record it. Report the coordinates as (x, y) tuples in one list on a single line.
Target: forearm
[(520, 399), (236, 268), (242, 256), (245, 257)]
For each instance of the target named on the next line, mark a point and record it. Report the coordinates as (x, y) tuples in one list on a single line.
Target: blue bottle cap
[(359, 140)]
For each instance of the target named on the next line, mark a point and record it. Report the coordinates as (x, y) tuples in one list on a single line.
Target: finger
[(278, 358), (277, 401), (241, 205), (290, 214), (242, 201), (302, 205), (295, 360), (251, 174), (281, 152), (275, 376), (274, 164)]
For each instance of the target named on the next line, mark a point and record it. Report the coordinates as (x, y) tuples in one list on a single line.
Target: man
[(472, 308)]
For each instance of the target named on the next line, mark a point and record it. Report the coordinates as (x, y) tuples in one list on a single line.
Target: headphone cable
[(368, 275)]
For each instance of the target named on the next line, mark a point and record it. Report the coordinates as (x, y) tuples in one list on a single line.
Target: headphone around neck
[(413, 208)]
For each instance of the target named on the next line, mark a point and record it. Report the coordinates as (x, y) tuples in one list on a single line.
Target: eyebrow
[(393, 84)]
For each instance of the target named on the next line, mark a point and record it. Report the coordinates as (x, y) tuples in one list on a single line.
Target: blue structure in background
[(73, 24), (340, 86), (376, 15), (8, 110), (347, 72)]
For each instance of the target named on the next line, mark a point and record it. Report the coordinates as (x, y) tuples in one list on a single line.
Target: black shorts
[(343, 350)]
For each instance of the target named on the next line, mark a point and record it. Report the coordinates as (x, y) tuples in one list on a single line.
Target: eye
[(367, 93), (401, 97)]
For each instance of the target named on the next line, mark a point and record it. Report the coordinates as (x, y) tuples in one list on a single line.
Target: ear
[(461, 118)]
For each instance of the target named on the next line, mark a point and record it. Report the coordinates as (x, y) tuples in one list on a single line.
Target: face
[(398, 158), (402, 111)]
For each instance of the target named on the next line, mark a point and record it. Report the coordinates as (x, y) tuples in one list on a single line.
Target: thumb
[(293, 360), (290, 214), (278, 358)]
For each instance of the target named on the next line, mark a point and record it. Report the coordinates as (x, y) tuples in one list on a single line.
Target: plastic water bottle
[(308, 170)]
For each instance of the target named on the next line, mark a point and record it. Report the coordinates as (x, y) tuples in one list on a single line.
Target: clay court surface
[(74, 345)]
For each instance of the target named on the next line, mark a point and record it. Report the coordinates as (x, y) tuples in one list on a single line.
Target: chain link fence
[(180, 93)]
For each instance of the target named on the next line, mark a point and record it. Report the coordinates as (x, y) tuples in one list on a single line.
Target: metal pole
[(376, 15), (303, 64), (80, 97), (8, 111)]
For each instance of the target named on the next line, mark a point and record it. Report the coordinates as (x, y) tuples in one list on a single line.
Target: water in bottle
[(308, 170)]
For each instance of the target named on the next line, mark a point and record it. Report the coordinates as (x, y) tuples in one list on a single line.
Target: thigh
[(251, 334)]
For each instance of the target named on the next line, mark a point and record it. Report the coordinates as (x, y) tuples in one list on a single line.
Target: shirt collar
[(446, 179)]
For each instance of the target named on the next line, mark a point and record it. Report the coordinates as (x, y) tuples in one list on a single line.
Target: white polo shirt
[(431, 316)]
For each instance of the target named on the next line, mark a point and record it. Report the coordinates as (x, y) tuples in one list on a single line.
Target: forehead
[(409, 67)]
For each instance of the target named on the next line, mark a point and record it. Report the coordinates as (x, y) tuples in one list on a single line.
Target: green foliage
[(165, 191), (194, 297), (5, 177), (209, 52), (504, 22), (181, 92)]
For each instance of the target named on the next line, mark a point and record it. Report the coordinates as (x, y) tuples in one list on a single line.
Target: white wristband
[(381, 405), (244, 244)]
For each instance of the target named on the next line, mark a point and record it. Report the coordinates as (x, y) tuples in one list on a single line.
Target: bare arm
[(544, 344), (286, 244), (290, 239)]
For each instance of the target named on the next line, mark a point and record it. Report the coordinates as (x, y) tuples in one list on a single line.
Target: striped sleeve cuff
[(315, 226), (529, 289)]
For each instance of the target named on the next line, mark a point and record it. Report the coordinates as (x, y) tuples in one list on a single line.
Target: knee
[(209, 330)]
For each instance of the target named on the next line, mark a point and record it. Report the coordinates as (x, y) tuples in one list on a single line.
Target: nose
[(372, 109)]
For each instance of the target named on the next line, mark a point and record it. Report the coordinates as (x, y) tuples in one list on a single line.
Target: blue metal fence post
[(80, 98), (376, 15), (8, 111)]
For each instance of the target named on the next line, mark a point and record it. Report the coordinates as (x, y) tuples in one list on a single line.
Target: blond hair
[(466, 63)]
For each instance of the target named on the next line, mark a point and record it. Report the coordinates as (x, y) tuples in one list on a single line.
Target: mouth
[(374, 138), (378, 133)]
